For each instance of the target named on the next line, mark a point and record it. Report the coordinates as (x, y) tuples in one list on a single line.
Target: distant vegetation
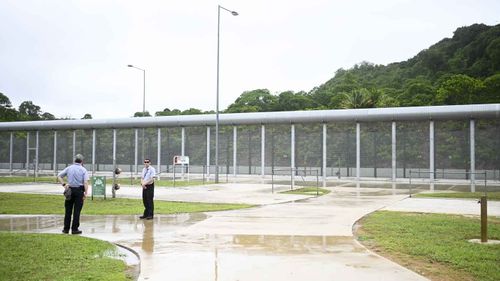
[(464, 69)]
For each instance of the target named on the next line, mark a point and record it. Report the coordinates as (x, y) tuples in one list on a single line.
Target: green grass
[(18, 203), (494, 196), (434, 244), (166, 183), (58, 257), (109, 180), (8, 179), (307, 191)]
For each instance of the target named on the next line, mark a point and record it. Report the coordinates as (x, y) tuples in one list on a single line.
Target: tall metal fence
[(356, 144)]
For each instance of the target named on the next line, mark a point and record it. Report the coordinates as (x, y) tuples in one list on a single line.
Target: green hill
[(459, 70)]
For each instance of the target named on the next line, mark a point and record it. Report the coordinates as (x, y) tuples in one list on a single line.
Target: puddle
[(231, 247), (96, 224), (131, 259)]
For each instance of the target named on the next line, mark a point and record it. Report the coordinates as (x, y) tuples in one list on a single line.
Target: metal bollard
[(484, 219)]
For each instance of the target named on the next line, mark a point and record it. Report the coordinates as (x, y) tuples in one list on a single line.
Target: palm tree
[(358, 98)]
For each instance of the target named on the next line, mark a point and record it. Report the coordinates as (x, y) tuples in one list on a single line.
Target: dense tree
[(493, 53), (142, 114), (168, 112), (165, 112), (192, 111), (491, 92), (7, 113), (29, 111), (4, 101), (253, 101), (87, 116), (418, 92), (459, 89), (48, 116), (359, 98), (290, 101), (388, 98)]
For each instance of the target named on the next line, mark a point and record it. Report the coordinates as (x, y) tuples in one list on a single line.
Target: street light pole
[(143, 88), (234, 13), (143, 100)]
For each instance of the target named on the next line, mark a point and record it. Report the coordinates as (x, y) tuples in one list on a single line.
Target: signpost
[(182, 161), (98, 186)]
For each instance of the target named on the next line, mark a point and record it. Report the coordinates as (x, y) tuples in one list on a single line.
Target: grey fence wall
[(362, 143)]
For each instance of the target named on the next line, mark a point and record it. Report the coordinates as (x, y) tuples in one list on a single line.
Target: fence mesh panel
[(341, 149), (249, 149), (308, 146), (487, 138), (125, 149), (376, 149), (4, 150), (451, 148), (45, 150), (277, 147), (196, 147), (64, 148), (412, 148)]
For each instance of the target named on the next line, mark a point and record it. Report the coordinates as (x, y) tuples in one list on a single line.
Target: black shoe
[(76, 231), (148, 218), (142, 217), (65, 231)]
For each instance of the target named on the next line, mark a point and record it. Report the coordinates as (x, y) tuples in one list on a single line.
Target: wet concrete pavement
[(310, 239), (254, 194), (444, 206)]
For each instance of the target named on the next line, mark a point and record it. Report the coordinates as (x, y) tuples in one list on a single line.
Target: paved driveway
[(285, 238)]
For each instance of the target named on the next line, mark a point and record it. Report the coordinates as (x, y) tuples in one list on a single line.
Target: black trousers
[(148, 194), (74, 205)]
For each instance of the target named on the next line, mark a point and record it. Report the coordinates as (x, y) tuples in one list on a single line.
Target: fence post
[(472, 156), (317, 183), (485, 184), (272, 180), (484, 219), (410, 182)]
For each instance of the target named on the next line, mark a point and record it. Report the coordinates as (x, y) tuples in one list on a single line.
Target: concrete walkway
[(254, 194), (309, 239), (444, 206)]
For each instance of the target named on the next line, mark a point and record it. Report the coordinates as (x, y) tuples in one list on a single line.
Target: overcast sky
[(70, 57)]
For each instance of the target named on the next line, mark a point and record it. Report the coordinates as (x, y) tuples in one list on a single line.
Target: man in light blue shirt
[(78, 182), (148, 189)]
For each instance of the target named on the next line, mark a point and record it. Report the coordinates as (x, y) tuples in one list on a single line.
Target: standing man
[(78, 182), (148, 189)]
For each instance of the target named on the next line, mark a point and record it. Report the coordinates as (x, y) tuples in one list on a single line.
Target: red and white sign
[(181, 160)]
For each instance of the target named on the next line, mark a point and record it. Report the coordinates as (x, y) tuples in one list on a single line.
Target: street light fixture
[(234, 13), (143, 104)]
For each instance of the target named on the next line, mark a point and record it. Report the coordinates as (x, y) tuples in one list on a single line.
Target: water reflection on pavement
[(309, 240)]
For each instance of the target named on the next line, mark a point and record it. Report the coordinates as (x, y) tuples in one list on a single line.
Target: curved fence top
[(447, 112)]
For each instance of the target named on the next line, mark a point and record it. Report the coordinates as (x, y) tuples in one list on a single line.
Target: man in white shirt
[(148, 189), (78, 182)]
